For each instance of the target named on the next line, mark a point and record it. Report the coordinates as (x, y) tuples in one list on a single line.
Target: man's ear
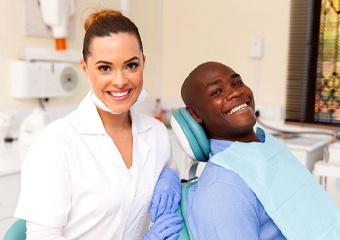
[(194, 114)]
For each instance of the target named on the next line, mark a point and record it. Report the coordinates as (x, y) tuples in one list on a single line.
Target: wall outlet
[(8, 119)]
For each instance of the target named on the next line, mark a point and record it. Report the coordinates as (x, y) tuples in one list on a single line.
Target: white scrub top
[(74, 177)]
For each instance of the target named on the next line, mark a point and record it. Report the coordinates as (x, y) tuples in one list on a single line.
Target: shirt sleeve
[(45, 196), (226, 211), (41, 232)]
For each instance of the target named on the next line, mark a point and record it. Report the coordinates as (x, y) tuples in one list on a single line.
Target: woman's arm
[(167, 227), (40, 232), (167, 194)]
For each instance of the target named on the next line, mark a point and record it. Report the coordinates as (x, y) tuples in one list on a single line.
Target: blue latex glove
[(166, 227), (167, 194)]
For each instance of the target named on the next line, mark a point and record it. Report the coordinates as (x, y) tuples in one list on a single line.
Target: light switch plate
[(256, 48)]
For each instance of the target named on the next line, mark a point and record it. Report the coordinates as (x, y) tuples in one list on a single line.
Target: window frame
[(302, 65)]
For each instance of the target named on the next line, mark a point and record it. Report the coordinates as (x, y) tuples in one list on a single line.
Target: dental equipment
[(56, 14)]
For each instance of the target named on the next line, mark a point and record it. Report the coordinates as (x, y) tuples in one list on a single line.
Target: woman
[(92, 174)]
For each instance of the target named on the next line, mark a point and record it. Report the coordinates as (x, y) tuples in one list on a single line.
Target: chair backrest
[(194, 142), (17, 231), (190, 135)]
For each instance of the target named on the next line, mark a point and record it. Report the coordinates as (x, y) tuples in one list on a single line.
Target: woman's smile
[(120, 94)]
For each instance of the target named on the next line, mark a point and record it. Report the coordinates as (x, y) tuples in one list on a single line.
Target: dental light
[(56, 14)]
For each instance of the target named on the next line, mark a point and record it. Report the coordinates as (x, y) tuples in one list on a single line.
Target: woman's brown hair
[(104, 23)]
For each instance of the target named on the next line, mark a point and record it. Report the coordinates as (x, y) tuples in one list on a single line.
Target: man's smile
[(237, 109)]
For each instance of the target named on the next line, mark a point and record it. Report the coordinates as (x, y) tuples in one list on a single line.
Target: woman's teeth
[(119, 94), (236, 109)]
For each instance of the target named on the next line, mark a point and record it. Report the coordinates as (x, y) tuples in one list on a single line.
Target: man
[(247, 190)]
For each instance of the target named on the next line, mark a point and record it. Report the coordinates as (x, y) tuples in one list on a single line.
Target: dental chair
[(323, 214), (194, 142), (17, 231)]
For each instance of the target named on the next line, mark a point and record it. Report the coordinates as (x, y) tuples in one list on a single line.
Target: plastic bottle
[(158, 114)]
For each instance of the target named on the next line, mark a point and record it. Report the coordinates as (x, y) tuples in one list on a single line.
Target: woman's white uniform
[(74, 177)]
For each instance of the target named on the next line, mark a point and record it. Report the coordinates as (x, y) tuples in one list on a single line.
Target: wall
[(193, 31), (197, 31), (13, 39)]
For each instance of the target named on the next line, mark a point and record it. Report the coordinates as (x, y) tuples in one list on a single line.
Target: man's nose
[(235, 92)]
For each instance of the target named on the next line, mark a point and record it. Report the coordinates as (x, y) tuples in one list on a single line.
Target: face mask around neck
[(102, 105)]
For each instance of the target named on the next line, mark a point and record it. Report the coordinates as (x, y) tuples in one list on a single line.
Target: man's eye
[(104, 68), (217, 91), (238, 83)]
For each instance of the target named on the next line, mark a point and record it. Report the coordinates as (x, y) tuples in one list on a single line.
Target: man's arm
[(225, 210)]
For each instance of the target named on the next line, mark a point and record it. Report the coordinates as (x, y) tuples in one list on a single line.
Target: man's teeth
[(238, 108), (119, 94)]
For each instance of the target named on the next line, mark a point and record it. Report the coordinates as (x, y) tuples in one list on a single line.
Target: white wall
[(193, 31), (13, 39)]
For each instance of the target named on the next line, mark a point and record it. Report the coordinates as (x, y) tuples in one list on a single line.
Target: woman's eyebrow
[(110, 63), (104, 62), (131, 59)]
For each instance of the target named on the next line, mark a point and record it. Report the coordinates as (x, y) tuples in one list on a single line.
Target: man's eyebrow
[(213, 83), (235, 75)]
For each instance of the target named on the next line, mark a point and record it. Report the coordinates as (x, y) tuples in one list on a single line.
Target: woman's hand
[(166, 227), (167, 194)]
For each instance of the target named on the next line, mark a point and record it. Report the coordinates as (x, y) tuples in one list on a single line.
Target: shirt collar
[(88, 120), (217, 145)]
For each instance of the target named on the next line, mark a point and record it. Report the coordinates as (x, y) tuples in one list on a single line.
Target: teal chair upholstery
[(194, 142), (17, 231)]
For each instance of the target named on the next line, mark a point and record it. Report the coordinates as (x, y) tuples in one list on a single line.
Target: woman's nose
[(119, 80)]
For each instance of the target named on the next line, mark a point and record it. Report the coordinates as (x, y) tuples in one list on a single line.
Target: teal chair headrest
[(190, 135), (17, 231)]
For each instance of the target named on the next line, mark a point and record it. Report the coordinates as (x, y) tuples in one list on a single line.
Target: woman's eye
[(104, 68), (132, 66)]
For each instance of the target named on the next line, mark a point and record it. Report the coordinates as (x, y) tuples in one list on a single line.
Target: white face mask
[(102, 105)]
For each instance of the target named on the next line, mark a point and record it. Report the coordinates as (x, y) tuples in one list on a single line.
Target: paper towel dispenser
[(44, 79)]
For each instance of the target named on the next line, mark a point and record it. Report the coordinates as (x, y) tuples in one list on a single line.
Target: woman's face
[(115, 70)]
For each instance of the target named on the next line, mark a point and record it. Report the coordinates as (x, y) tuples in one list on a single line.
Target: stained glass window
[(313, 74), (327, 94)]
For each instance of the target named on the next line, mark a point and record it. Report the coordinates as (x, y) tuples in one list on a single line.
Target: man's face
[(224, 104)]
